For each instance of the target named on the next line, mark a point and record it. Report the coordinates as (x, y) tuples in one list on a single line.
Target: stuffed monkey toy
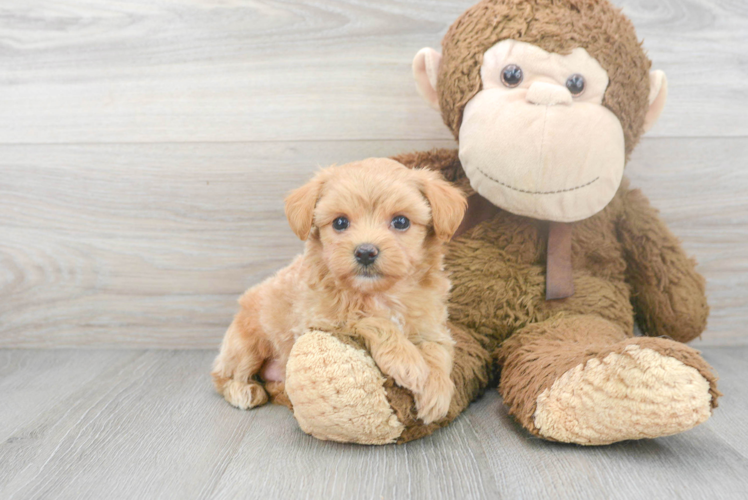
[(557, 256)]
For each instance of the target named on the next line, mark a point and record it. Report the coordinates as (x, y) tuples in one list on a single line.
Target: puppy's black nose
[(366, 254)]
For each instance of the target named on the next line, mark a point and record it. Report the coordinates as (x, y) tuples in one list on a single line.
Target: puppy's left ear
[(448, 204), (300, 205)]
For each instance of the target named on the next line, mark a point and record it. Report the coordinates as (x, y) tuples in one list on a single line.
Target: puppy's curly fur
[(396, 304)]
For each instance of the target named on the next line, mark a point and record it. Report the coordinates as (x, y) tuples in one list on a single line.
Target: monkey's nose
[(548, 94), (366, 254)]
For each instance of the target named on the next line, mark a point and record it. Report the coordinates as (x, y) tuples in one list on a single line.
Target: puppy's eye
[(340, 224), (400, 222), (575, 84), (511, 75)]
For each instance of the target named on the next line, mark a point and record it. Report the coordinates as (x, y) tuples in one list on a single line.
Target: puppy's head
[(375, 222)]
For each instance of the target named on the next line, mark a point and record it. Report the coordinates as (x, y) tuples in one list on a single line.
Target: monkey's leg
[(581, 379), (339, 394)]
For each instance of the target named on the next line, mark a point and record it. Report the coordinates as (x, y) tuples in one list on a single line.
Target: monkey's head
[(547, 99)]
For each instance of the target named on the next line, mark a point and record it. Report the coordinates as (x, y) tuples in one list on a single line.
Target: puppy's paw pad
[(245, 395)]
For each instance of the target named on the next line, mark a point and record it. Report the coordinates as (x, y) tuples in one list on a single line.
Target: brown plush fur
[(397, 305), (627, 264), (555, 26), (537, 355), (625, 261)]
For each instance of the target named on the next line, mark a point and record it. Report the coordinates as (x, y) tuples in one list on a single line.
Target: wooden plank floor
[(147, 424)]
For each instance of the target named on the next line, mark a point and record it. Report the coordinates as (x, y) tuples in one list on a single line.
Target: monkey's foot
[(338, 392), (645, 389)]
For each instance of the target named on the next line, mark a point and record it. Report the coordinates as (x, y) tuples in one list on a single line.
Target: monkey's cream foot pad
[(338, 393), (636, 394)]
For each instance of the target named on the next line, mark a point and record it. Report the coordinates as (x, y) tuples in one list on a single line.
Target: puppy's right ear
[(300, 205), (448, 204)]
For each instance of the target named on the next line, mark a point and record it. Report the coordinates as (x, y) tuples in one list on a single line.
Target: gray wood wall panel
[(240, 70), (150, 245), (145, 147)]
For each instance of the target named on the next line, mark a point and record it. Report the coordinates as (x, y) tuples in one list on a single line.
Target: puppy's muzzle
[(366, 254)]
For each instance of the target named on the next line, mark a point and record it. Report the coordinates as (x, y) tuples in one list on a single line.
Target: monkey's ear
[(448, 204), (657, 98), (300, 205), (425, 71)]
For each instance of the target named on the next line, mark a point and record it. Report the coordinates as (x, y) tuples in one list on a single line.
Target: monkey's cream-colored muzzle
[(532, 147), (548, 94), (532, 141), (554, 160)]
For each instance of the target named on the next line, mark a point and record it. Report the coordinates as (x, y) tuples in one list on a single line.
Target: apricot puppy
[(372, 266)]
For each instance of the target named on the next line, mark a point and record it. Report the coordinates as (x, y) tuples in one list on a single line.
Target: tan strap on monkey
[(559, 282)]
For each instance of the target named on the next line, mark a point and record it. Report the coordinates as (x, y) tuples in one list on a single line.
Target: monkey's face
[(536, 139)]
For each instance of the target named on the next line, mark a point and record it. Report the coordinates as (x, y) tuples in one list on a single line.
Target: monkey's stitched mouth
[(536, 192)]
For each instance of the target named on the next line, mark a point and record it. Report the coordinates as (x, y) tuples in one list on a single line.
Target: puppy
[(372, 266)]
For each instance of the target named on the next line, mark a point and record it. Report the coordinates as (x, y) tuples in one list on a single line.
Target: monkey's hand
[(668, 293)]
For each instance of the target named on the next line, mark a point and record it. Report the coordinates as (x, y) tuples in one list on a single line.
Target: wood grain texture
[(247, 70), (730, 364), (150, 245), (147, 424), (700, 191), (145, 148), (145, 244)]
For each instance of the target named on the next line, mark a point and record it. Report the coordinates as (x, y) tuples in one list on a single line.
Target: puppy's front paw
[(407, 368), (245, 395), (433, 402), (412, 377), (395, 355)]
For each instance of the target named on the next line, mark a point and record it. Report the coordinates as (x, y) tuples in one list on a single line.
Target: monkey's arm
[(668, 293)]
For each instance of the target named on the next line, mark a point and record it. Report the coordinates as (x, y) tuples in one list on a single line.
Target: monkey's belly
[(494, 297)]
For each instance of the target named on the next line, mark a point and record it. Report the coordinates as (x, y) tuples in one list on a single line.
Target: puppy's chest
[(343, 317), (398, 313)]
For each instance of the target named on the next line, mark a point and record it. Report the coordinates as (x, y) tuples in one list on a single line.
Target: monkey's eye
[(575, 84), (340, 224), (400, 222), (511, 75)]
